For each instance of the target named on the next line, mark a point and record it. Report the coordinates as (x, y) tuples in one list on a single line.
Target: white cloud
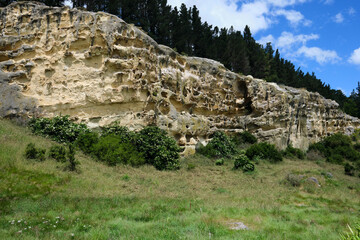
[(288, 40), (226, 13), (355, 57), (347, 93), (328, 2), (294, 17), (294, 47), (352, 11), (319, 55), (285, 3), (264, 40), (258, 14), (339, 18)]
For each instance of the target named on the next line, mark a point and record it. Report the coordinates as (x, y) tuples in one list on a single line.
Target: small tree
[(219, 146), (158, 148), (71, 159), (31, 152), (58, 153), (349, 169), (243, 162)]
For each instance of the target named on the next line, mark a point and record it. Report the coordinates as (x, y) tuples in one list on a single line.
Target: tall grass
[(123, 202)]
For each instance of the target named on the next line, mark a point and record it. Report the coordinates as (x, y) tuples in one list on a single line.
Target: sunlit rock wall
[(99, 69)]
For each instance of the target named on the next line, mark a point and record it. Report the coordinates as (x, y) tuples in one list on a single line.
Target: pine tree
[(197, 31)]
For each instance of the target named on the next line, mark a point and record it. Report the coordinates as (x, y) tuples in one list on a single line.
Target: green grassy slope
[(38, 200)]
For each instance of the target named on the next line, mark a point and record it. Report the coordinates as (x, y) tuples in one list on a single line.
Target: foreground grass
[(38, 200)]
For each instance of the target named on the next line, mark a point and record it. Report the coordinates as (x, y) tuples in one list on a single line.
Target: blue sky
[(321, 36)]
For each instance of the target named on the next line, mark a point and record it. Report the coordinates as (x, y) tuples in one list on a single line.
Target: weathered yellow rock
[(99, 69)]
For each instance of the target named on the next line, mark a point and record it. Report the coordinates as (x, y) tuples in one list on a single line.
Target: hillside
[(102, 202), (98, 69)]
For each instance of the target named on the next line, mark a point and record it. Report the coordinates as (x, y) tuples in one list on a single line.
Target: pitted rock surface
[(99, 69)]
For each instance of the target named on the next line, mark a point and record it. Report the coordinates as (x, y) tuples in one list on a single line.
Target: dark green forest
[(183, 30)]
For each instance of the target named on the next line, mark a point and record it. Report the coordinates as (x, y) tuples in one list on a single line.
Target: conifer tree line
[(183, 30)]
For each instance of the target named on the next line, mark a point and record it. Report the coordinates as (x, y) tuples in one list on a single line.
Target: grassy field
[(38, 200)]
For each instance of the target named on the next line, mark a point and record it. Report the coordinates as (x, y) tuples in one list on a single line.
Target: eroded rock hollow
[(99, 69)]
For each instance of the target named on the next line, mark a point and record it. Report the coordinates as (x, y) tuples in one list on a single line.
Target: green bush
[(59, 128), (317, 147), (349, 169), (58, 153), (244, 137), (243, 162), (337, 140), (125, 177), (219, 162), (292, 152), (86, 141), (219, 146), (73, 163), (337, 148), (112, 150), (190, 166), (31, 152), (158, 148), (357, 147), (122, 131), (335, 158), (264, 151)]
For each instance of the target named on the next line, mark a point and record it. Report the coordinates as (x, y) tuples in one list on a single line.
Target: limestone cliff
[(99, 69)]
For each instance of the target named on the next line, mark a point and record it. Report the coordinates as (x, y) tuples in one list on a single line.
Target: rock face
[(99, 69)]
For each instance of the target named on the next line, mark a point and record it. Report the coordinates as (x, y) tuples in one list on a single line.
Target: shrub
[(337, 140), (244, 137), (349, 169), (158, 148), (318, 147), (294, 180), (125, 153), (60, 128), (265, 151), (292, 152), (219, 146), (335, 158), (125, 177), (121, 131), (190, 166), (112, 150), (357, 165), (336, 148), (357, 147), (31, 152), (58, 153), (73, 163), (86, 141), (243, 162), (219, 162)]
